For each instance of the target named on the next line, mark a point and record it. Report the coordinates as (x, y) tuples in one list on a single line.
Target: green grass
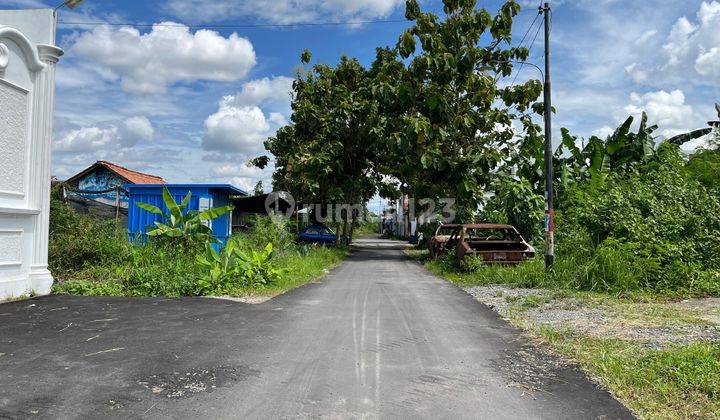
[(104, 263), (606, 275), (298, 269), (675, 383), (367, 228), (153, 272)]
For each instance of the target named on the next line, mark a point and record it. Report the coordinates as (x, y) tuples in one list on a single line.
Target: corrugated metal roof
[(230, 189)]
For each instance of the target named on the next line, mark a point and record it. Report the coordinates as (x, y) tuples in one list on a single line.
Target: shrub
[(89, 288), (271, 229), (515, 203), (704, 166), (78, 242), (159, 270), (84, 250), (655, 228), (231, 268)]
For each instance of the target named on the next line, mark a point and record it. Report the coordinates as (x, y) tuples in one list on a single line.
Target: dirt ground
[(653, 324)]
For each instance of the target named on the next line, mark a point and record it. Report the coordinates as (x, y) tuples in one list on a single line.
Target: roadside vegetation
[(647, 227), (637, 241), (637, 218), (634, 237), (88, 256)]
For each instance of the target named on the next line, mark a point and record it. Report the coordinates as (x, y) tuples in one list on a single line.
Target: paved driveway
[(378, 337)]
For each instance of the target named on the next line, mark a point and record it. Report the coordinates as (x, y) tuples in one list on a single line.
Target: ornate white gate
[(27, 84)]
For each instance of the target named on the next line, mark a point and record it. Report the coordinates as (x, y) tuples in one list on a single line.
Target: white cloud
[(236, 129), (603, 132), (265, 91), (240, 125), (708, 63), (149, 62), (234, 170), (86, 138), (245, 184), (694, 45), (666, 109), (242, 175), (126, 134), (277, 119), (638, 74), (645, 37), (135, 129), (281, 11)]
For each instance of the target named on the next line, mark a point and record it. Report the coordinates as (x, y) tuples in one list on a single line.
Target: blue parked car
[(317, 234)]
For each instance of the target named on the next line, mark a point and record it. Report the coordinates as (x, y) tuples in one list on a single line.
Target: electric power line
[(529, 50), (239, 25), (528, 31), (230, 26)]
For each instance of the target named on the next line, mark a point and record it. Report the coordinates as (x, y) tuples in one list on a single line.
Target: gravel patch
[(254, 300), (184, 384), (541, 307), (496, 296)]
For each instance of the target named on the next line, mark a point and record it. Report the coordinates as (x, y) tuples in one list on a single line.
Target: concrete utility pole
[(549, 211)]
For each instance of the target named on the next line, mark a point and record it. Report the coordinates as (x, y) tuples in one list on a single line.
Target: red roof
[(132, 177)]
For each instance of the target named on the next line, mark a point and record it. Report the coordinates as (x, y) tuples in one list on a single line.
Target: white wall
[(27, 85)]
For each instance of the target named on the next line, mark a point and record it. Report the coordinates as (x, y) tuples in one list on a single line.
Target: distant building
[(95, 189)]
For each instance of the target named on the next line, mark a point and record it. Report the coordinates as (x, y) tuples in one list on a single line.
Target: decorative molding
[(14, 86), (12, 194), (4, 58), (14, 132), (49, 53), (11, 247), (16, 210), (25, 138), (27, 48)]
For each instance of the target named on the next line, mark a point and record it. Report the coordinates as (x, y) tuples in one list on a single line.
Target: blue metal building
[(204, 196)]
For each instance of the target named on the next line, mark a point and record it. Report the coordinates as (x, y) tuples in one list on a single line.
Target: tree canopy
[(429, 118), (426, 118)]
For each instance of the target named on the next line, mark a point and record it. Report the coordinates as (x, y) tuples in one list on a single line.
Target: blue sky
[(193, 105)]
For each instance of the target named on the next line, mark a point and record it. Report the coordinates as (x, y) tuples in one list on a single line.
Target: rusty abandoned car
[(494, 243)]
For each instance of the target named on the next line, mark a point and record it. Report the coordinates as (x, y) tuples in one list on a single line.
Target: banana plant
[(621, 150), (232, 267), (186, 225)]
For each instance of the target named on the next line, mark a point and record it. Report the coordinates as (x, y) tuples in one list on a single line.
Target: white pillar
[(27, 85), (40, 278)]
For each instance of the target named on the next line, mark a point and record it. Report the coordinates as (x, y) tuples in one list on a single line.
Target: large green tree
[(428, 118), (446, 124), (326, 155)]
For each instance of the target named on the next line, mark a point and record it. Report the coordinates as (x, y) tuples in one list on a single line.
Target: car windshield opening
[(492, 234)]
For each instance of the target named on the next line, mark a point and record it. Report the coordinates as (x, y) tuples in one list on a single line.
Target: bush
[(230, 268), (89, 288), (271, 229), (704, 166), (84, 250), (78, 242), (158, 270), (515, 203), (652, 228)]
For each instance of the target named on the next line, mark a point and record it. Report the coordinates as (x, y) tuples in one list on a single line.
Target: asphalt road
[(379, 337)]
